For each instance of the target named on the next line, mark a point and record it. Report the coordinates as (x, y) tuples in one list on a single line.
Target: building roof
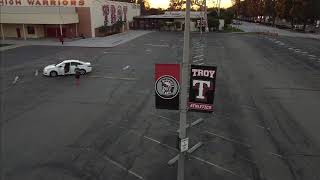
[(173, 15)]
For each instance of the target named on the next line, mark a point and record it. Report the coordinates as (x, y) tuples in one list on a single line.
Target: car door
[(60, 68), (73, 67), (67, 68)]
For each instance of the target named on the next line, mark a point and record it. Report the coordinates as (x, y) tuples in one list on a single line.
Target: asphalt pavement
[(256, 27), (265, 125)]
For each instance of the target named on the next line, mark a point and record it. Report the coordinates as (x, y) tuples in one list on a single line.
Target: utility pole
[(206, 16), (201, 19), (219, 5), (184, 91)]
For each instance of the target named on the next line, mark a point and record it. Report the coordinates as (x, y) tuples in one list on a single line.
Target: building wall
[(10, 31), (102, 14), (38, 31), (84, 26)]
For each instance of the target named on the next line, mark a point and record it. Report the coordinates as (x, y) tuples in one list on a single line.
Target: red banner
[(167, 86)]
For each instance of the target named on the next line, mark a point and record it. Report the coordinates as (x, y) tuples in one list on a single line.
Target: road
[(265, 125), (255, 27)]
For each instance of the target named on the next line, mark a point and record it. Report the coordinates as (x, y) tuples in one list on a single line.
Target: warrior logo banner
[(167, 86)]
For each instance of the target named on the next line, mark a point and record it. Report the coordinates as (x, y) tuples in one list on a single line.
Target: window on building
[(30, 30)]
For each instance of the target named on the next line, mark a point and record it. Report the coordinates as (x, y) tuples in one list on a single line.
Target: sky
[(165, 3)]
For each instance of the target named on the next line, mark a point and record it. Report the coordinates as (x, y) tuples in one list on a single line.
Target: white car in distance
[(67, 67)]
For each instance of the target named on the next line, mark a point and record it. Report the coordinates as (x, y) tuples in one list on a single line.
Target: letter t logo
[(201, 87)]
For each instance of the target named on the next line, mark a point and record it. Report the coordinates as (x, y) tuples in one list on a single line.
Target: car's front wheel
[(82, 72), (53, 74)]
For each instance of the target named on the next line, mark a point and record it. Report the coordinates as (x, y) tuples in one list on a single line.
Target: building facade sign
[(46, 3)]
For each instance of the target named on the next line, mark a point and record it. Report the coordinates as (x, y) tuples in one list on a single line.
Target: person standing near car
[(77, 75), (61, 39)]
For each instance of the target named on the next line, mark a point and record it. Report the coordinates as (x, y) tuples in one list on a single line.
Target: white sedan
[(67, 67)]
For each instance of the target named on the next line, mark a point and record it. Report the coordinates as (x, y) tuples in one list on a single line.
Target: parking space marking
[(126, 67), (114, 78), (229, 139), (195, 157), (15, 80), (219, 167), (122, 167), (162, 144), (201, 55), (263, 127), (198, 60), (201, 64), (157, 45), (310, 55), (36, 73)]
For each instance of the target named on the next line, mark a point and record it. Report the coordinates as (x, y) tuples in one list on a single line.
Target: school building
[(26, 19)]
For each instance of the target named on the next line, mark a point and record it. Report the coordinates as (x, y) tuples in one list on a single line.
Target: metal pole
[(2, 32), (219, 4), (206, 15), (60, 29), (184, 86), (77, 30), (24, 32)]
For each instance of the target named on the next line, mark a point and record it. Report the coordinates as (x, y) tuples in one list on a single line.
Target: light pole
[(206, 16), (184, 91), (219, 5)]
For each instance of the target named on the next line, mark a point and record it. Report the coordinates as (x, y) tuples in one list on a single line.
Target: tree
[(176, 5), (269, 9), (303, 11)]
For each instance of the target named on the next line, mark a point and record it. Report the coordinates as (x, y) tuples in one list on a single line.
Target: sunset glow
[(165, 3)]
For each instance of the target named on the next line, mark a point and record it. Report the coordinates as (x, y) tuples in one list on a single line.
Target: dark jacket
[(77, 71)]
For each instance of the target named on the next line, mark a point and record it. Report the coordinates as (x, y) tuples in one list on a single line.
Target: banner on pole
[(167, 86), (202, 88)]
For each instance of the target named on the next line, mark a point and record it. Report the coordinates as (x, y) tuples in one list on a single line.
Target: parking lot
[(108, 127)]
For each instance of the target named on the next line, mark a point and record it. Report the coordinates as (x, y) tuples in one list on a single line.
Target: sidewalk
[(253, 27), (103, 42)]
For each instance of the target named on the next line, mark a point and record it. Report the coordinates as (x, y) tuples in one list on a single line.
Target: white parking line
[(291, 48), (36, 73), (126, 67), (263, 127), (122, 167), (198, 60), (228, 139), (201, 55), (219, 167), (157, 45), (197, 158), (312, 56), (114, 78), (15, 80), (201, 64)]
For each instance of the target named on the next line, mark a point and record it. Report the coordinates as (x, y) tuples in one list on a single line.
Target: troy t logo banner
[(202, 87), (167, 86)]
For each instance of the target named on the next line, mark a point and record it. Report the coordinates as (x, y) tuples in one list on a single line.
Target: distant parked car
[(67, 67), (236, 22)]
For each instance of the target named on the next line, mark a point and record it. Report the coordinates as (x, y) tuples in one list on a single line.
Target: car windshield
[(159, 89)]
